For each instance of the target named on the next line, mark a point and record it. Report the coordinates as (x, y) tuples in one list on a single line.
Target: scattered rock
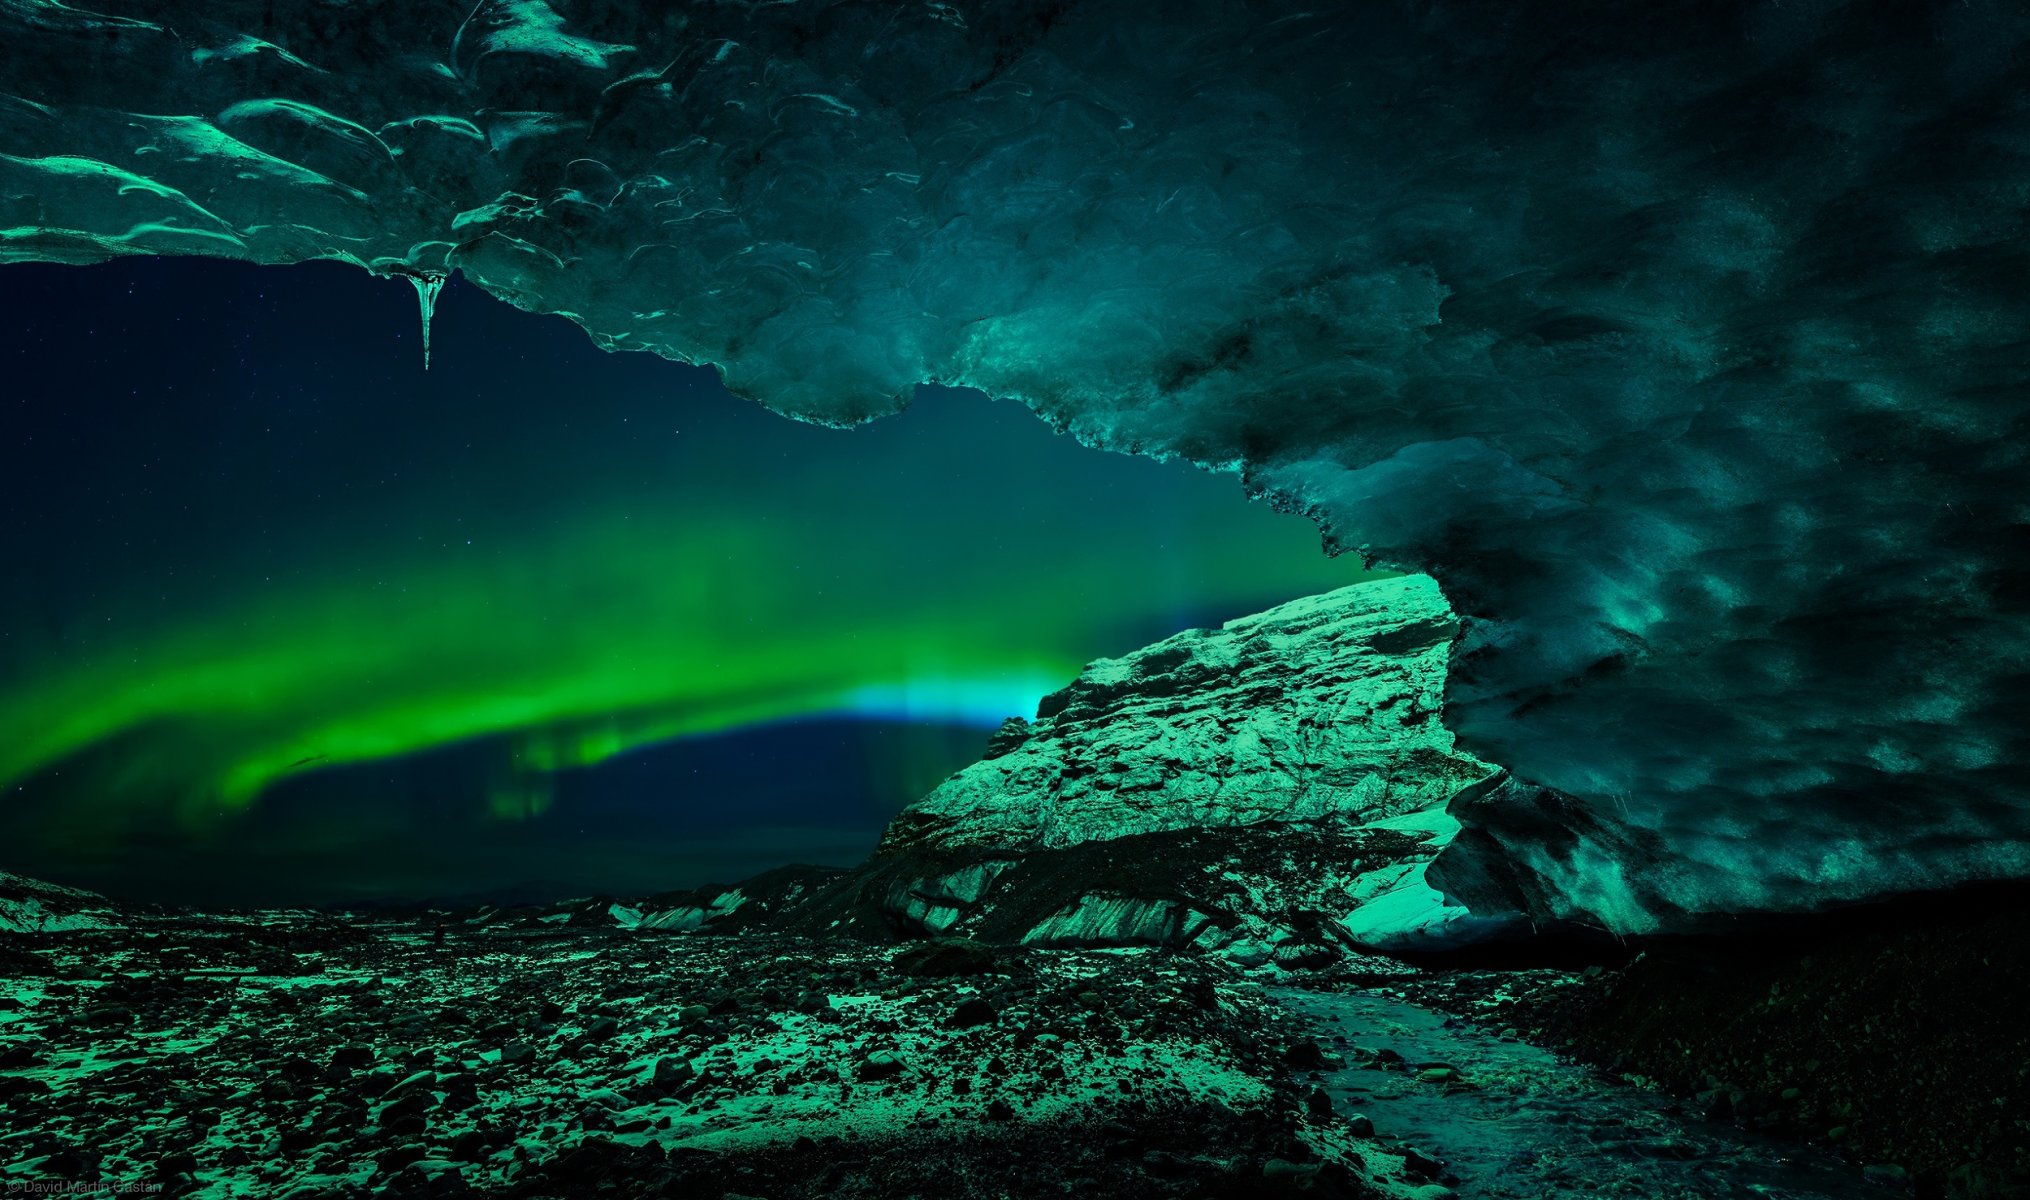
[(1282, 1171), (1305, 1055), (1319, 1104), (971, 1013), (882, 1064), (352, 1058), (946, 957)]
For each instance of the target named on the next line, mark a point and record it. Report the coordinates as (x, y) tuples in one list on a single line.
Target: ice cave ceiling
[(1683, 343)]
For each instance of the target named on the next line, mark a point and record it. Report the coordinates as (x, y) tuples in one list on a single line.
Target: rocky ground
[(1891, 1034), (297, 1055), (565, 1051)]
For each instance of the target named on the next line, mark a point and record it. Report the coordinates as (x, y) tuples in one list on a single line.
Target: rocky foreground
[(300, 1056), (1875, 1054)]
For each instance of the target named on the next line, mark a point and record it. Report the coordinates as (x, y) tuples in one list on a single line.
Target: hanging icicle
[(428, 284)]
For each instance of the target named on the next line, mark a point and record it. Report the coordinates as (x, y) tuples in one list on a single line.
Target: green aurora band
[(948, 569)]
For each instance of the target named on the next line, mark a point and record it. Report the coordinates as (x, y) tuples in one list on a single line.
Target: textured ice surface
[(1683, 343), (1303, 753), (1324, 709)]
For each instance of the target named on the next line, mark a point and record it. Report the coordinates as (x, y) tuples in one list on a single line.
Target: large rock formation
[(1275, 788), (1325, 708), (32, 906), (1683, 343)]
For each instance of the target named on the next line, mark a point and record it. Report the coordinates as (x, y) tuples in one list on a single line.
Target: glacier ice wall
[(1683, 342)]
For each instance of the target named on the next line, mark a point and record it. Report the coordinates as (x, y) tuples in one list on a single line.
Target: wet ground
[(1503, 1119)]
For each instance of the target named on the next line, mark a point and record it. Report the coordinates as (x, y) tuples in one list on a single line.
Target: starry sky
[(287, 618)]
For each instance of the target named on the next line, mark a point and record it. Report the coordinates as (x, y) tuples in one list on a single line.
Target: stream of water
[(1516, 1122)]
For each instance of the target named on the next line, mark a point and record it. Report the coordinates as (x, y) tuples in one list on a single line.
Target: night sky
[(289, 619)]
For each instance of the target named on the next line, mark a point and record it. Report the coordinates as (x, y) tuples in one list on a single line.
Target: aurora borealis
[(282, 601)]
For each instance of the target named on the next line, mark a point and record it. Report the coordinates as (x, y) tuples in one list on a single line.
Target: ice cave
[(1000, 598)]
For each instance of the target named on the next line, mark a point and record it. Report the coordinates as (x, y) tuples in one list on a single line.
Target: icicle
[(427, 287)]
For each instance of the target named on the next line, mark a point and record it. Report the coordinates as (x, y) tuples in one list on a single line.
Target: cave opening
[(302, 624), (1660, 831)]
